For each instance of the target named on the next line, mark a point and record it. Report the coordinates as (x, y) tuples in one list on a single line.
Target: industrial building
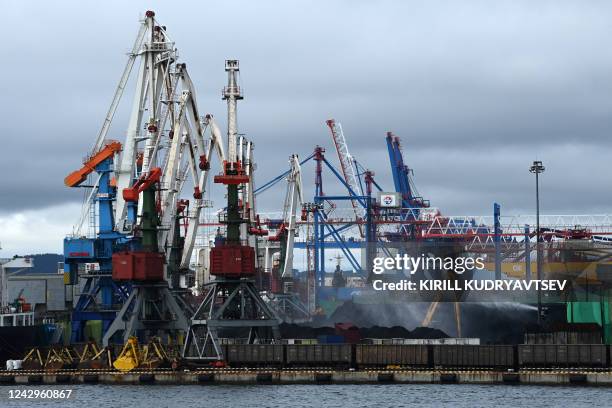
[(40, 280)]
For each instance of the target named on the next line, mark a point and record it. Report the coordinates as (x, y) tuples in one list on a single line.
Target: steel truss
[(233, 305), (289, 307), (150, 308)]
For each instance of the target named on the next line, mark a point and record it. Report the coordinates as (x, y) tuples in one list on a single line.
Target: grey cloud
[(476, 90)]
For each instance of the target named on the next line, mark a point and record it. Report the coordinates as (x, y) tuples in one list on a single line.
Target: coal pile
[(295, 331), (492, 323)]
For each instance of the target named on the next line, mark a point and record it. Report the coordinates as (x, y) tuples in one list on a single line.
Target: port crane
[(214, 144), (100, 295), (293, 202), (159, 155), (154, 90), (151, 308), (348, 168), (411, 201), (188, 153), (282, 296), (232, 301)]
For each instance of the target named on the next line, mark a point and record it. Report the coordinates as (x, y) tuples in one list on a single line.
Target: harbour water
[(298, 396)]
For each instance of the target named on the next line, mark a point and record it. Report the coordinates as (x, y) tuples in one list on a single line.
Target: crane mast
[(232, 94), (234, 174), (232, 301)]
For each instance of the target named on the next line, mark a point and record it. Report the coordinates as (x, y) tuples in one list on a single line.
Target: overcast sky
[(476, 90)]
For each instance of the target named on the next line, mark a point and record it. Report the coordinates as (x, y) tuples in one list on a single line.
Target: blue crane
[(100, 295)]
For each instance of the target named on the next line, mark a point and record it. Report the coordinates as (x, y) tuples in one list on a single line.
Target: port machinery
[(133, 262), (278, 252), (232, 302), (137, 278), (508, 244), (118, 175)]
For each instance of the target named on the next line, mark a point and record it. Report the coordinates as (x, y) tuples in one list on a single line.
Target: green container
[(93, 330), (592, 312)]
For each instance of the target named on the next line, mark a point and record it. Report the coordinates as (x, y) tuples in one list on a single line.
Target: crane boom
[(144, 182), (402, 175), (77, 177), (346, 164), (172, 175), (121, 87), (293, 202), (215, 143), (156, 54)]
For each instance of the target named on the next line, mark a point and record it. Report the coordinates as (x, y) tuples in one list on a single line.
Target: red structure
[(138, 266), (232, 261)]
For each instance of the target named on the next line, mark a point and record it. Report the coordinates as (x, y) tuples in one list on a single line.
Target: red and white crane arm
[(346, 165)]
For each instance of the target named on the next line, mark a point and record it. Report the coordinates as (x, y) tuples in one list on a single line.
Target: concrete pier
[(265, 376)]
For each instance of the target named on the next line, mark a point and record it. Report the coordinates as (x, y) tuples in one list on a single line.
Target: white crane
[(293, 202), (347, 165), (165, 142), (282, 297), (189, 152), (164, 130), (215, 143), (157, 56)]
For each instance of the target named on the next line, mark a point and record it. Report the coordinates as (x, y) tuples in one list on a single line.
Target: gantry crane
[(411, 207), (412, 202), (232, 302)]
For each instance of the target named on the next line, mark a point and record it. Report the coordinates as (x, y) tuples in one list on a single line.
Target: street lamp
[(537, 168)]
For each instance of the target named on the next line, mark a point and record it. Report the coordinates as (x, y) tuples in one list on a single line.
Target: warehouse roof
[(39, 264)]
